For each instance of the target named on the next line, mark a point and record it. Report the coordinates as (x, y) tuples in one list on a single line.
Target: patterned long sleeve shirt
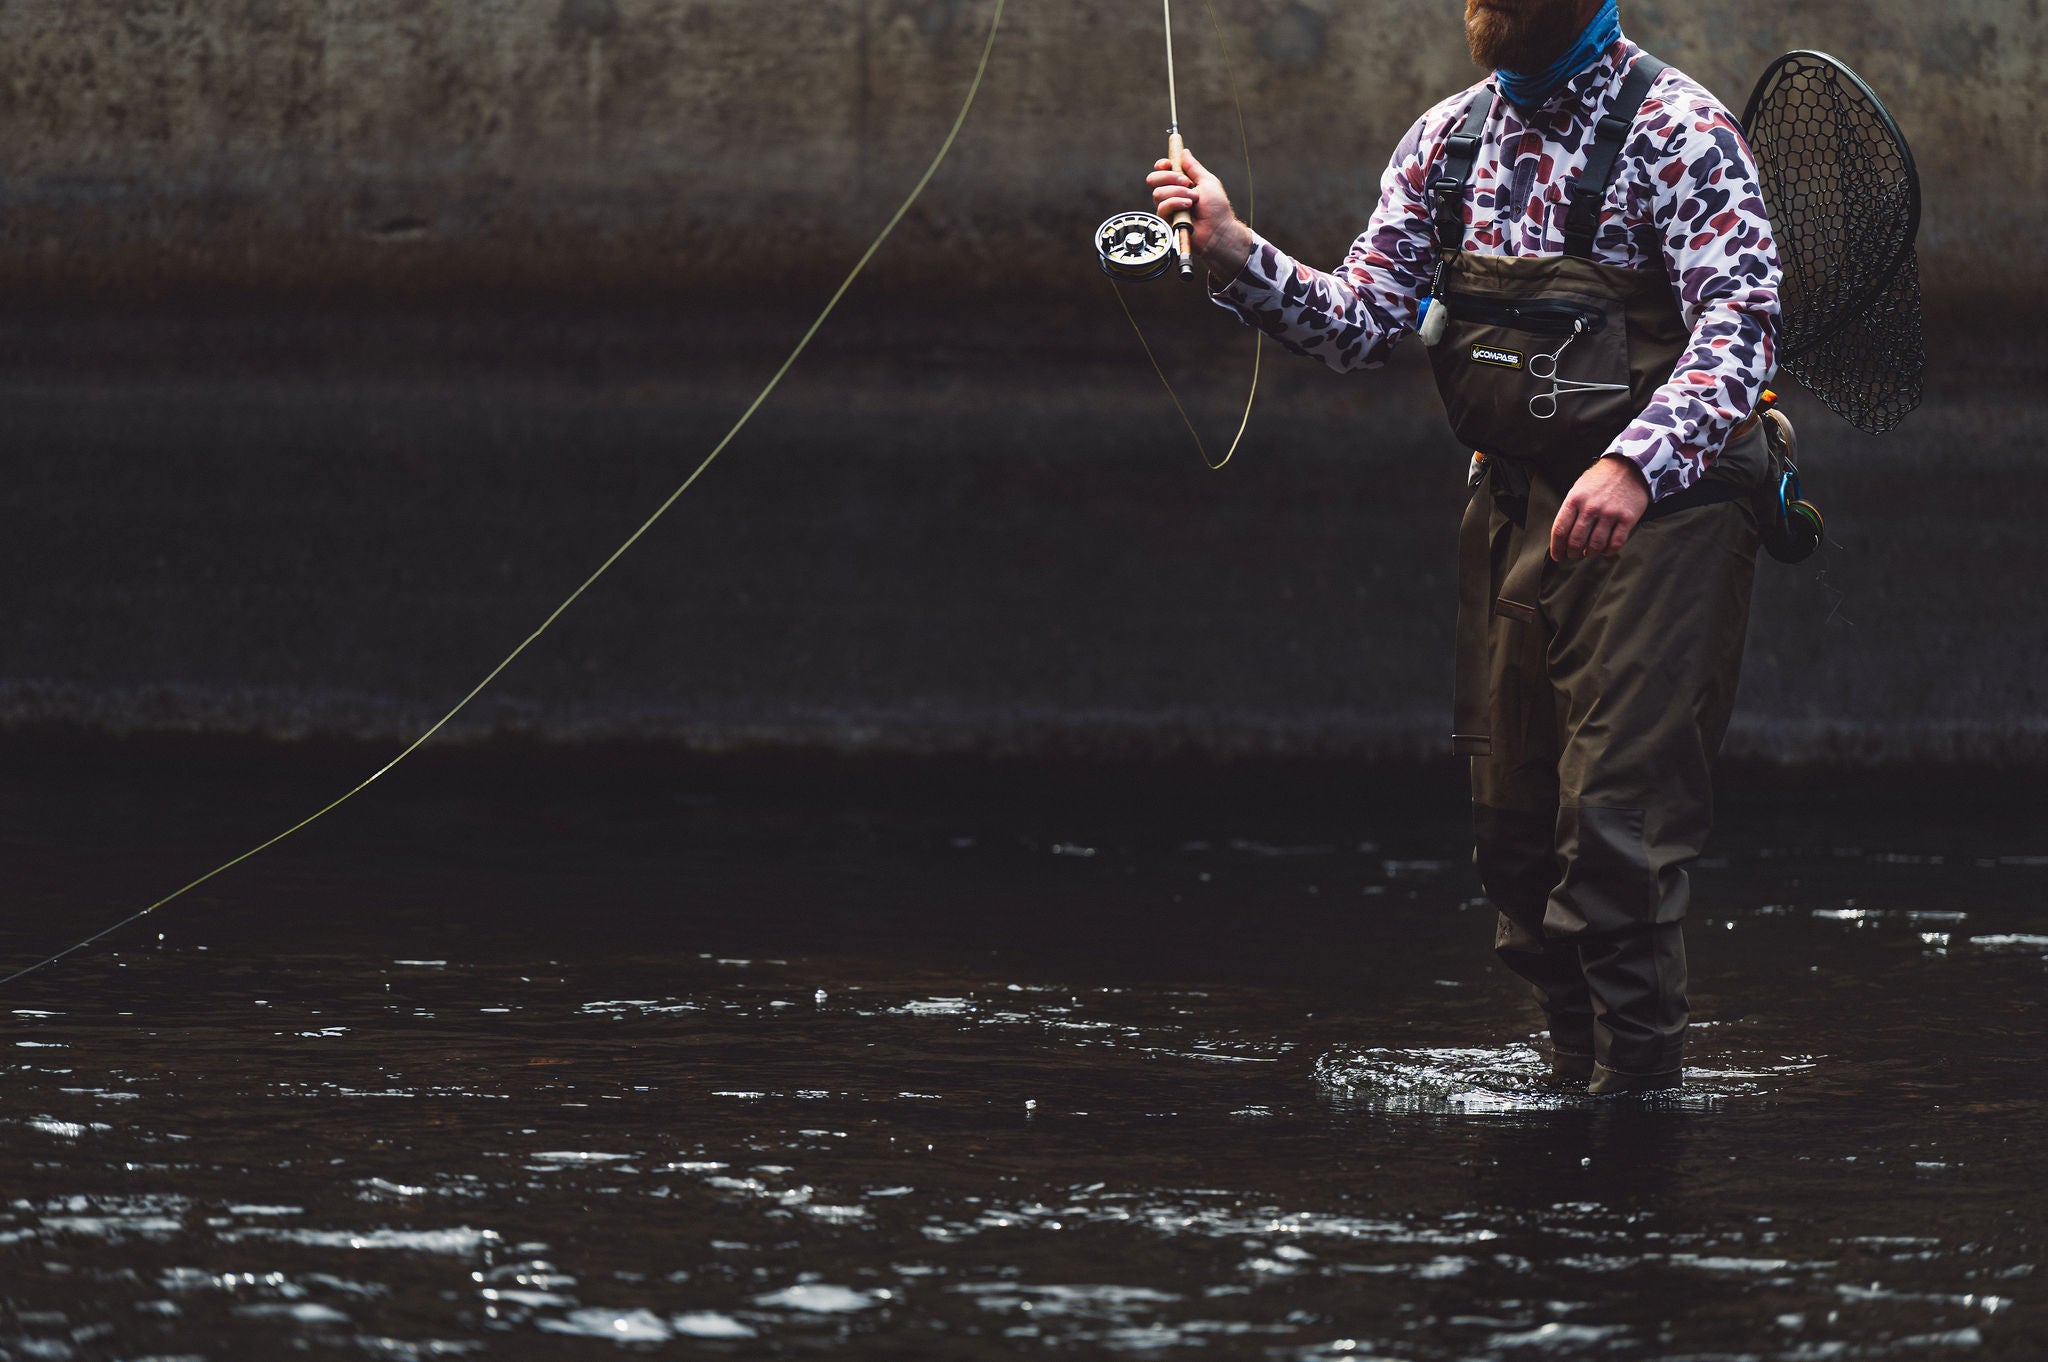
[(1684, 196)]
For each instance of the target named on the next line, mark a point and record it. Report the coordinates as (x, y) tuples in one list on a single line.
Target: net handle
[(1850, 308)]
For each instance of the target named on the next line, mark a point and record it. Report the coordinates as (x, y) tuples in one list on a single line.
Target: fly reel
[(1796, 529), (1136, 246)]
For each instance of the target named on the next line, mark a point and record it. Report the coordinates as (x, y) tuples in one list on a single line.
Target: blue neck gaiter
[(1529, 89)]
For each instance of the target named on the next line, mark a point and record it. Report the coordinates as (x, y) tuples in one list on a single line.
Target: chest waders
[(1591, 696)]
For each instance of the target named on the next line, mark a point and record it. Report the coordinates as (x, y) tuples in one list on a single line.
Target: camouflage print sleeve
[(1352, 318), (1723, 261)]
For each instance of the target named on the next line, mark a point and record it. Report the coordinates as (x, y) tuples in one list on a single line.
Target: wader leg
[(1645, 653), (1514, 789), (1518, 867)]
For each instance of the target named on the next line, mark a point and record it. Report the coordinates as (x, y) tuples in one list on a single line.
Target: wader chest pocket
[(1537, 316), (1535, 379)]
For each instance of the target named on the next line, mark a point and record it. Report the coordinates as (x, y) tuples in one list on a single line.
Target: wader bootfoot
[(1571, 1051), (1614, 1083), (1569, 1068)]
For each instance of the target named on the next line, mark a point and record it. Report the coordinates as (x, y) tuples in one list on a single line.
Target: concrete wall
[(337, 341), (343, 145)]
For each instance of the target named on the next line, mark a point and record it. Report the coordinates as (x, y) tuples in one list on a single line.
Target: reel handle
[(1183, 221)]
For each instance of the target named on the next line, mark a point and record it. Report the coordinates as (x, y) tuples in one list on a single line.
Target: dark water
[(564, 1072)]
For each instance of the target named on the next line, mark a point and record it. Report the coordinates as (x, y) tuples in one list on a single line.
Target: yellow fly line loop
[(1250, 215), (945, 147)]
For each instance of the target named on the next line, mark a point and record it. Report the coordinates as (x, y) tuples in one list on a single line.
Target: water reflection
[(978, 1136)]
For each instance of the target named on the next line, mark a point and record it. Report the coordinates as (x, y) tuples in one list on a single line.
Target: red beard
[(1521, 35)]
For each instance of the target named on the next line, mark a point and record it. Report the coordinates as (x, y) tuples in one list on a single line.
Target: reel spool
[(1135, 246), (1800, 529), (1795, 529)]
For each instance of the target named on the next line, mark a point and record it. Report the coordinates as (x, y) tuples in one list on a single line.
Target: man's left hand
[(1600, 512)]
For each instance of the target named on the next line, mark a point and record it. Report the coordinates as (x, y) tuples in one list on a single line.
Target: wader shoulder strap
[(1461, 153), (1589, 191)]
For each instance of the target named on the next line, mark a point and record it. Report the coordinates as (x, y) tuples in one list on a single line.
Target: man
[(1582, 243)]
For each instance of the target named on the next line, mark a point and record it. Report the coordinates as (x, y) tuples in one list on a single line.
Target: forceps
[(1543, 368)]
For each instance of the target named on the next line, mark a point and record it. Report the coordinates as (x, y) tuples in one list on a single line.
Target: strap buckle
[(1447, 199)]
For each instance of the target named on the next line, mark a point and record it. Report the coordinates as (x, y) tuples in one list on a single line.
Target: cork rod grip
[(1183, 221)]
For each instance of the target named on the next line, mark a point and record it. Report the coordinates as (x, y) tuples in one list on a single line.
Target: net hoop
[(1843, 194), (1766, 86)]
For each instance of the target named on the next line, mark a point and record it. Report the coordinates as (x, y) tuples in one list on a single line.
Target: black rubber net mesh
[(1844, 203)]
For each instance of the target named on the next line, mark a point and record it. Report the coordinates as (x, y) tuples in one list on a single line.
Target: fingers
[(1600, 512), (1174, 191), (1572, 534), (1561, 528), (1171, 191), (1598, 535), (1583, 530), (1189, 175), (1166, 201)]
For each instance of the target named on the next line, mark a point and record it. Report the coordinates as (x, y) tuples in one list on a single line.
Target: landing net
[(1844, 200)]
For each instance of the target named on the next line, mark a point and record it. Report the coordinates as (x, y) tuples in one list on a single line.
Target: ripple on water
[(1097, 1300), (709, 1324), (644, 1326), (299, 1312), (66, 1130), (1487, 1081), (2010, 941), (819, 1298), (1125, 1319), (1509, 1080), (626, 1326), (113, 1218), (453, 1241), (934, 1007)]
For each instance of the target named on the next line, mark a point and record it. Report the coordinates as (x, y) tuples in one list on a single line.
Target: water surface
[(564, 1072)]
